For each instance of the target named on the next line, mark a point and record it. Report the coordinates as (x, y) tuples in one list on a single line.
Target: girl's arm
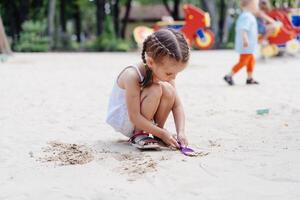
[(179, 118), (133, 104)]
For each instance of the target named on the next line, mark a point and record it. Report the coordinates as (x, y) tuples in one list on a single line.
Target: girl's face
[(165, 70)]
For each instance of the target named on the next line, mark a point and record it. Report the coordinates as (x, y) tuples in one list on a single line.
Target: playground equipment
[(286, 37), (194, 27), (140, 33)]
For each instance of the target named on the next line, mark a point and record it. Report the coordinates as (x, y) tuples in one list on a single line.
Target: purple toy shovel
[(186, 151)]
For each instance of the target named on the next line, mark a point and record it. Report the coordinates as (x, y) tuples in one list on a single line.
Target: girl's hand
[(182, 139), (169, 140)]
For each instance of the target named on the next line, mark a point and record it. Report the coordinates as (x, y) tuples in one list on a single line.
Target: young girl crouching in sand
[(144, 95)]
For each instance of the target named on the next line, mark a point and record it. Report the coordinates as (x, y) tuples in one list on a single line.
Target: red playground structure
[(194, 27), (285, 38)]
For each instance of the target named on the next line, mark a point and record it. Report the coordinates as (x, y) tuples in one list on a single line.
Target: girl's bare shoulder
[(128, 78)]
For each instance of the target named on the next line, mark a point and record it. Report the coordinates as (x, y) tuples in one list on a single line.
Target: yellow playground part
[(269, 50), (140, 33), (292, 47)]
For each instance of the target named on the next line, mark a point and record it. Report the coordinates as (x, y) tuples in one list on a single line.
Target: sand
[(54, 143)]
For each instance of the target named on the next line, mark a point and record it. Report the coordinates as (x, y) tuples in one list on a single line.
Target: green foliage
[(108, 41), (32, 37), (88, 17), (232, 33), (145, 2), (228, 45), (65, 43)]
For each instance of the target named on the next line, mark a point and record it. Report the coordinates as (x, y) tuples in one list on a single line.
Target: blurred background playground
[(109, 25)]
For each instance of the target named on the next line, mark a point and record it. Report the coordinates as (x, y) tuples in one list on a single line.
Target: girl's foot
[(229, 79), (251, 81), (143, 141)]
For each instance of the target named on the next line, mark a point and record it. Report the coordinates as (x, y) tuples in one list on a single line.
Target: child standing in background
[(144, 94), (266, 25), (246, 41)]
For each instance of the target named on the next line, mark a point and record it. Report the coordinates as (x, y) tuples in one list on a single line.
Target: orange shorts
[(245, 60)]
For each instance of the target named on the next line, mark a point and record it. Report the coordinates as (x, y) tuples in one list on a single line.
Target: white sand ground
[(63, 97)]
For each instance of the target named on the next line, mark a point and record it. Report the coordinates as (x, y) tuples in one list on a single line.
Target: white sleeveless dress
[(117, 114)]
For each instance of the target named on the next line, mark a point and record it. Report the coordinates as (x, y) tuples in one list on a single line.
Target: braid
[(165, 42), (164, 47), (182, 45), (144, 52), (147, 81)]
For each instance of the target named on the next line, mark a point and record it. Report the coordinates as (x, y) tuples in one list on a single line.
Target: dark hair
[(165, 42)]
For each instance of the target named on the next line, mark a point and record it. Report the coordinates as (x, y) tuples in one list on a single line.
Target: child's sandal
[(251, 81), (143, 141), (228, 79)]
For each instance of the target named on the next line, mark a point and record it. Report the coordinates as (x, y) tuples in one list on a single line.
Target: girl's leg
[(150, 98), (166, 104), (157, 102)]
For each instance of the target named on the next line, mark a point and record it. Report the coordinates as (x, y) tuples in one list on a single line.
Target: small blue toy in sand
[(3, 58), (263, 111)]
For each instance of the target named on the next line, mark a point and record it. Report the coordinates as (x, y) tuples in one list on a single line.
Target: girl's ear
[(150, 62)]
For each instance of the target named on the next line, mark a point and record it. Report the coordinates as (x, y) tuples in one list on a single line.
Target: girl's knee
[(168, 91), (155, 90)]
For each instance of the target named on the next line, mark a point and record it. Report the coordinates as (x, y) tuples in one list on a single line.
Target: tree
[(126, 17), (63, 16), (116, 10), (223, 9), (51, 16), (77, 17), (13, 28), (100, 13), (211, 7), (229, 20), (24, 10), (175, 13)]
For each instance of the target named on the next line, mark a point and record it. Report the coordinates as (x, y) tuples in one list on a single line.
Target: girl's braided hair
[(165, 42)]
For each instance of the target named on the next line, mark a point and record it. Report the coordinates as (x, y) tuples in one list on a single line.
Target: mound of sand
[(66, 154)]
